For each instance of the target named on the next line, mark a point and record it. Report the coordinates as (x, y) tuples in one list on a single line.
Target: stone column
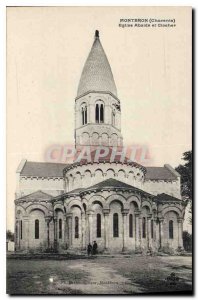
[(26, 232), (155, 233), (69, 226), (16, 236), (137, 236), (90, 220), (124, 228), (180, 233), (47, 220), (106, 228), (65, 231), (161, 222), (149, 231), (55, 233), (83, 239)]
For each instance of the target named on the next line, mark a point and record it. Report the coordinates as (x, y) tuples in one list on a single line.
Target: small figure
[(89, 249), (95, 246)]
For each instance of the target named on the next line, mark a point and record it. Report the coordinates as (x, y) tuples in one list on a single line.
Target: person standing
[(89, 249), (95, 247)]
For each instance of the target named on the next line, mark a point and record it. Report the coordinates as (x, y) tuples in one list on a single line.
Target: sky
[(46, 50)]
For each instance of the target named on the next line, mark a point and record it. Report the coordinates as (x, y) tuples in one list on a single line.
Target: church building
[(120, 204)]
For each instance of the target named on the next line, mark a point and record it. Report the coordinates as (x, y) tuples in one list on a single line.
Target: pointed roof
[(35, 196), (112, 183), (167, 198), (97, 75)]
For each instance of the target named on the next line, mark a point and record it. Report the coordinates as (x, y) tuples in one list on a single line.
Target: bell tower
[(97, 108)]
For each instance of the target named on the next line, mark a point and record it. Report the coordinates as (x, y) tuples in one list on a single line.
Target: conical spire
[(97, 75)]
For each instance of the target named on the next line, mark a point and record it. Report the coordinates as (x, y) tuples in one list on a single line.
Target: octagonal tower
[(97, 108)]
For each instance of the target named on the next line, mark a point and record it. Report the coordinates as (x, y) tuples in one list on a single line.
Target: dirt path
[(101, 280)]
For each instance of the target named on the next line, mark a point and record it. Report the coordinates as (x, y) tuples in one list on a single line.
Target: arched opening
[(84, 114), (85, 207), (101, 113), (60, 228), (98, 226), (115, 225), (21, 229), (143, 227), (83, 121), (16, 230), (170, 229), (152, 229), (97, 113), (36, 229), (76, 227), (130, 225)]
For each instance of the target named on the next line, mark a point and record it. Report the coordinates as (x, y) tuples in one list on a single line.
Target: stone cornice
[(77, 164), (97, 92)]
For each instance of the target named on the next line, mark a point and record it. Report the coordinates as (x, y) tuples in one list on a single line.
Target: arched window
[(170, 229), (98, 226), (36, 229), (85, 207), (130, 225), (152, 229), (99, 112), (84, 113), (143, 227), (115, 225), (60, 228), (76, 227), (16, 230), (21, 229)]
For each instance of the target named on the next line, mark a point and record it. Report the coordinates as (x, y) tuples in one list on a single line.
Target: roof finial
[(97, 34)]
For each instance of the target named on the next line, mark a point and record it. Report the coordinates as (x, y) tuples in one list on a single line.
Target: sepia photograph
[(99, 150)]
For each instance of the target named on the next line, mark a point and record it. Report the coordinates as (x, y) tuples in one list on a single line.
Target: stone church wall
[(171, 187), (167, 242), (88, 175), (28, 185), (41, 242)]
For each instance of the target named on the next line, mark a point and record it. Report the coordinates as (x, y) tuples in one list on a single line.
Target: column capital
[(125, 212), (89, 213), (179, 220), (106, 211), (149, 216), (161, 219), (69, 215), (137, 212), (48, 218)]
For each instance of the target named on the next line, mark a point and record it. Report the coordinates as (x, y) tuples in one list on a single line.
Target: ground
[(100, 275)]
